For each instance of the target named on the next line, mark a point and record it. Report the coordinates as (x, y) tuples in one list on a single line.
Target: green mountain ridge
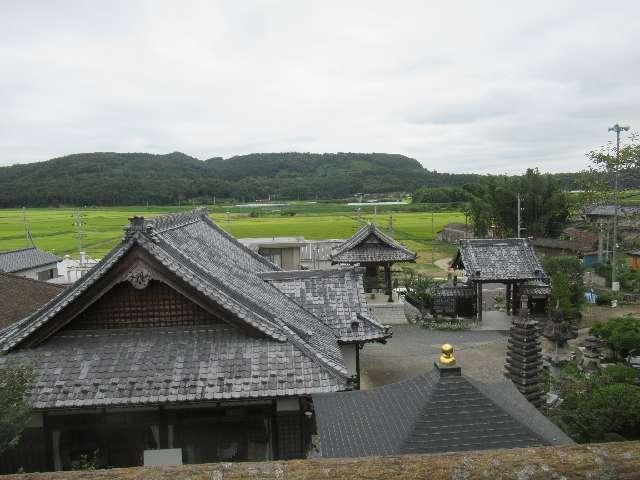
[(108, 178)]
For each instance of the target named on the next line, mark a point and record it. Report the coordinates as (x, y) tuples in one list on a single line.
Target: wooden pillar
[(387, 278), (163, 426), (479, 299), (508, 298), (516, 299), (48, 443)]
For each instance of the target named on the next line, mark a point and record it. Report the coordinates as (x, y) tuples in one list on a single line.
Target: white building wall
[(33, 272), (350, 354)]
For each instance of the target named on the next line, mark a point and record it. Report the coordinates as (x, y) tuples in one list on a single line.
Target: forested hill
[(137, 178)]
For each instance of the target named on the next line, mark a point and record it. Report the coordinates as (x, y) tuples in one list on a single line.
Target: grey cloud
[(475, 86)]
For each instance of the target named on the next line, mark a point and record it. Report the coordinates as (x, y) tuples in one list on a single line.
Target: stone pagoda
[(524, 357), (591, 356)]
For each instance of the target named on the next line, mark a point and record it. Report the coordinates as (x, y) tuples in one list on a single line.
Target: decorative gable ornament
[(139, 276)]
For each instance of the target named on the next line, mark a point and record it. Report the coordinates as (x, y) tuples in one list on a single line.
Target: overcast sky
[(473, 86)]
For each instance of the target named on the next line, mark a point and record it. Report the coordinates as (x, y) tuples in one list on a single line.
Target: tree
[(622, 333), (545, 206), (15, 381), (598, 404), (567, 286), (597, 181)]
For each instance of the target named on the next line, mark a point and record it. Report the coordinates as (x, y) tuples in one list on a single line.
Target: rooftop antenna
[(27, 229)]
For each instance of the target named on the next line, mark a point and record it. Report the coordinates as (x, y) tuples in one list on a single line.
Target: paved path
[(412, 351), (443, 263), (389, 314)]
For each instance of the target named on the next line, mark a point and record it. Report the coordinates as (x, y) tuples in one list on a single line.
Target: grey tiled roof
[(211, 261), (24, 259), (498, 259), (168, 365), (370, 245), (435, 412), (534, 287), (336, 297)]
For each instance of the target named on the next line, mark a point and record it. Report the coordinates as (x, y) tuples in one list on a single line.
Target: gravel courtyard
[(412, 350)]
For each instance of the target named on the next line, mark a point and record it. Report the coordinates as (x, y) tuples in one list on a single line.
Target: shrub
[(15, 381), (622, 333), (596, 406), (421, 289)]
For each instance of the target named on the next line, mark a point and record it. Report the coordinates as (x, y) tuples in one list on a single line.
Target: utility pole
[(433, 238), (519, 217), (615, 286), (78, 223), (27, 229)]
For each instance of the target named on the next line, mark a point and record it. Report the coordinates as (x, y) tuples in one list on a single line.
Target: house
[(511, 261), (439, 411), (30, 262), (71, 270), (316, 254), (605, 212), (554, 247), (183, 338), (452, 232), (371, 248), (587, 238), (20, 296), (281, 251)]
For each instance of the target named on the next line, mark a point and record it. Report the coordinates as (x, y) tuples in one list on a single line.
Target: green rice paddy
[(53, 229)]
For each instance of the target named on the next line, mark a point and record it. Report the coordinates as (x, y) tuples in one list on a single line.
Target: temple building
[(372, 249), (440, 411), (185, 342), (511, 261)]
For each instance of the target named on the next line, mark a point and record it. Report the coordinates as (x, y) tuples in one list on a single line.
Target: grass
[(53, 228)]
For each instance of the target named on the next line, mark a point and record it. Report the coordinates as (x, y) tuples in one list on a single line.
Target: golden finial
[(447, 357)]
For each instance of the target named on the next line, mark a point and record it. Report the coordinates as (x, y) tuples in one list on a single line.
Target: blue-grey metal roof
[(435, 412), (25, 259)]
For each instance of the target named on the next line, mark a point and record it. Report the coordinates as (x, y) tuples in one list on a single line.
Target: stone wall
[(597, 461)]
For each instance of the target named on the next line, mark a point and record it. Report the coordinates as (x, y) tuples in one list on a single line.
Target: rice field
[(53, 229)]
